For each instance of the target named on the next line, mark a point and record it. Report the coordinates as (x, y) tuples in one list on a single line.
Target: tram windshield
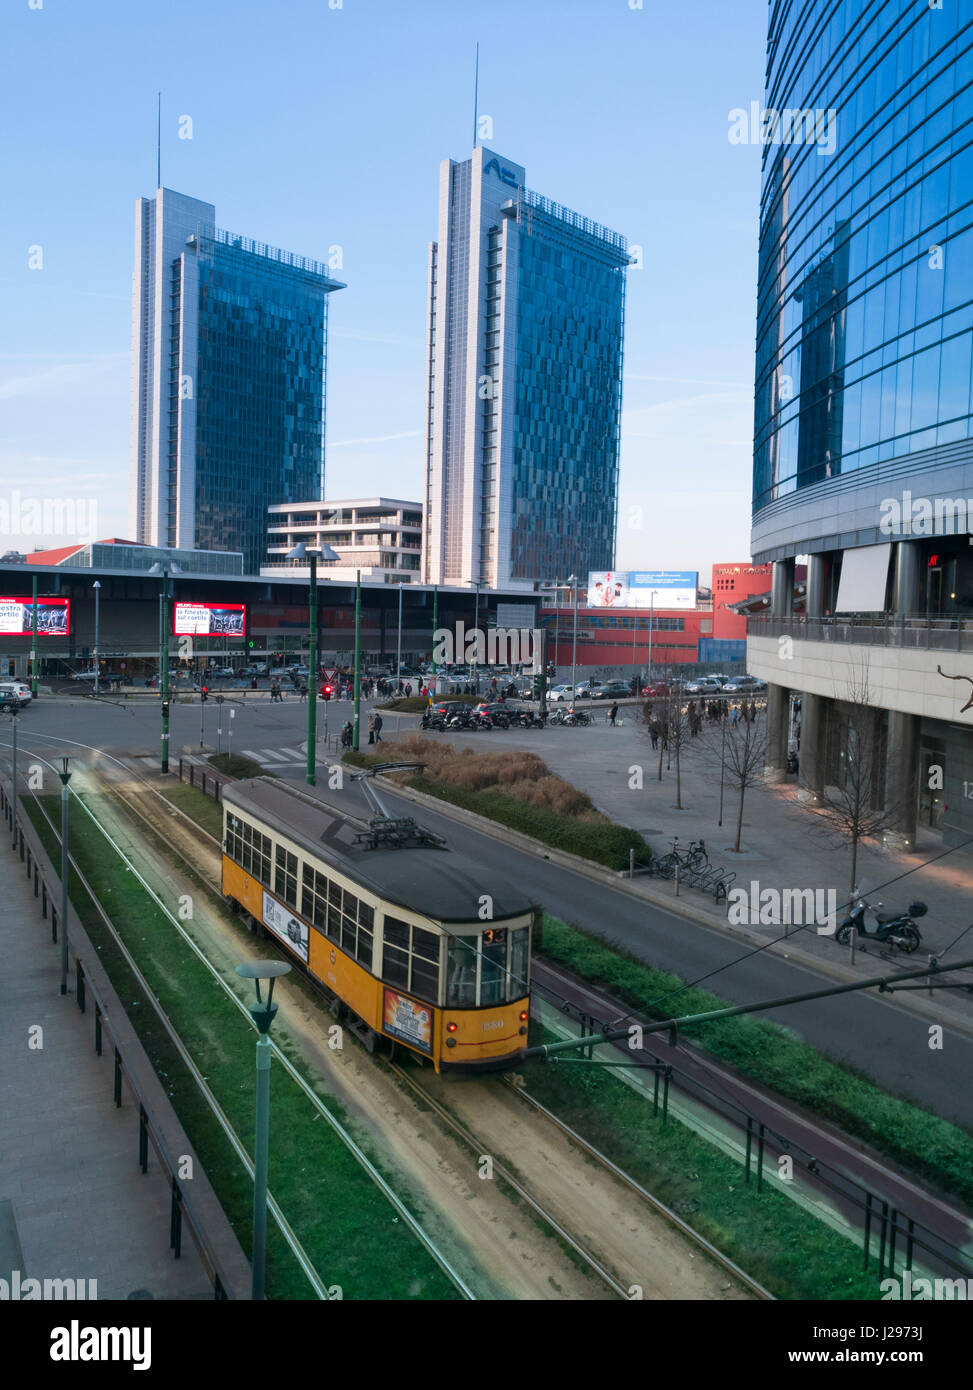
[(487, 970)]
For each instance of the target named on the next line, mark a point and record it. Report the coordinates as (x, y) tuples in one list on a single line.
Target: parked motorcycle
[(896, 929)]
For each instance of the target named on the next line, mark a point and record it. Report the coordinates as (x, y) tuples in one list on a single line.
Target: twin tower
[(524, 365)]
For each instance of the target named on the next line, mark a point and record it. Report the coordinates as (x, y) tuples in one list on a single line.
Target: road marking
[(292, 753)]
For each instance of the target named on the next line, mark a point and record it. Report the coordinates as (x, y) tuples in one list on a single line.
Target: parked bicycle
[(694, 858)]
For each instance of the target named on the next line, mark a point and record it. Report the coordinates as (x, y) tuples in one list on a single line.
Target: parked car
[(611, 690), (741, 685), (560, 692), (221, 673), (83, 675), (705, 685), (657, 690)]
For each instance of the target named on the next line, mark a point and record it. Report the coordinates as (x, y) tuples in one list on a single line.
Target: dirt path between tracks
[(486, 1233)]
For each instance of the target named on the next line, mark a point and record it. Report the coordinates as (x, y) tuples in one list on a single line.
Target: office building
[(228, 379), (863, 459), (378, 537), (525, 327)]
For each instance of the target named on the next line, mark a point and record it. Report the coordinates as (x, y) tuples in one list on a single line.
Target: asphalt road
[(887, 1042)]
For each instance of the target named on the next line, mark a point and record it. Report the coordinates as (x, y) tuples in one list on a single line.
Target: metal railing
[(890, 1237), (918, 632), (193, 1202)]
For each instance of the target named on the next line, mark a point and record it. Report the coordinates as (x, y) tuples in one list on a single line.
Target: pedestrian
[(654, 733), (303, 692), (408, 690), (613, 714), (734, 716), (371, 728), (378, 727)]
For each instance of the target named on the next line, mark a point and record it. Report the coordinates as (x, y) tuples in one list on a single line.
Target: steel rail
[(455, 1278)]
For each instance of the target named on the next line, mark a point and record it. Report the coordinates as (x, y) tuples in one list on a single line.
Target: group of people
[(714, 712)]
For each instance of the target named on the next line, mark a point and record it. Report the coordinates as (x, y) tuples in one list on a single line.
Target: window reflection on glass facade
[(865, 302), (568, 388), (260, 392)]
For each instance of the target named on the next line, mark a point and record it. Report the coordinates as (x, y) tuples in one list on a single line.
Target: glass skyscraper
[(526, 318), (863, 391), (228, 391)]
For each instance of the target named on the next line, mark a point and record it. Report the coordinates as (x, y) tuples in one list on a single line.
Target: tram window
[(350, 906), (493, 970), (334, 922), (349, 930), (425, 964), (285, 876), (334, 895), (364, 949), (519, 944), (461, 972), (397, 932), (366, 915), (314, 903)]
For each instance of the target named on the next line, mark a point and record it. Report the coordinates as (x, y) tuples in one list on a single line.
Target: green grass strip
[(779, 1243), (602, 843), (934, 1148), (350, 1232)]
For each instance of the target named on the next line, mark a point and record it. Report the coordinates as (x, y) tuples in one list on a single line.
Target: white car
[(18, 690), (83, 675), (560, 692)]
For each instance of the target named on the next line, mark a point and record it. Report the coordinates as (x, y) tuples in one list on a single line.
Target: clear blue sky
[(315, 127)]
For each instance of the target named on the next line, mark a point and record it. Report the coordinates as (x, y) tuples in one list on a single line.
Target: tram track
[(602, 1268), (205, 864), (319, 1285)]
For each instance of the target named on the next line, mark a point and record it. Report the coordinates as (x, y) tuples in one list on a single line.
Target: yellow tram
[(408, 936)]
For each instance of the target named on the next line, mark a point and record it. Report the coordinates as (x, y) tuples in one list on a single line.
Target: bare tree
[(671, 725), (743, 752), (855, 807)]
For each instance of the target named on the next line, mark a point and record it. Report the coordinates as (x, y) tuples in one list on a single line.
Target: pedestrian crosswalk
[(275, 757)]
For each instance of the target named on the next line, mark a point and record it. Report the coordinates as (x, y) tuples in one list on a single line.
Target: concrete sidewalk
[(73, 1201)]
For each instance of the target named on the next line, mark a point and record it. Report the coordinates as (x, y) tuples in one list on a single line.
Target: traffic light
[(204, 694), (251, 644), (165, 709), (326, 691)]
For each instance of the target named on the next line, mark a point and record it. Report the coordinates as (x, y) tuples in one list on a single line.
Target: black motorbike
[(530, 719), (895, 929)]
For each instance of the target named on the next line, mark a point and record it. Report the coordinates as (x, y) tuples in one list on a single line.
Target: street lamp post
[(96, 586), (476, 637), (355, 740), (573, 581), (13, 797), (263, 1016), (651, 628), (164, 571), (65, 777), (435, 639), (302, 552), (398, 644), (33, 639)]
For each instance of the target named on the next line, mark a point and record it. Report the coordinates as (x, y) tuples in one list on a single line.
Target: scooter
[(896, 929)]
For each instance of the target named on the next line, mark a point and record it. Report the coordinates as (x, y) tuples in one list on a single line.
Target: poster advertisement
[(407, 1019), (607, 589), (282, 922), (53, 617), (209, 619)]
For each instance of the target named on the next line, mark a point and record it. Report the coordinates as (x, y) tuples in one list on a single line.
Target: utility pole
[(312, 677), (355, 740), (65, 777), (33, 639)]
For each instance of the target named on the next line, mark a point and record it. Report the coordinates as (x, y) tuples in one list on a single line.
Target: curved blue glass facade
[(865, 297)]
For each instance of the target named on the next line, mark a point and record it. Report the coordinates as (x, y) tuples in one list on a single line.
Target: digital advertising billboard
[(209, 619), (635, 588), (53, 617), (673, 588)]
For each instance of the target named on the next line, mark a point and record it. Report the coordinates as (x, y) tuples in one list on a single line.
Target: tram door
[(932, 781)]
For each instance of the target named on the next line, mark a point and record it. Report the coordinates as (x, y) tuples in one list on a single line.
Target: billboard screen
[(673, 588), (634, 588), (607, 589), (209, 619), (53, 617)]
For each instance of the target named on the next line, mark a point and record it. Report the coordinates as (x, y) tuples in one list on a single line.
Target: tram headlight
[(450, 1027), (523, 1015)]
